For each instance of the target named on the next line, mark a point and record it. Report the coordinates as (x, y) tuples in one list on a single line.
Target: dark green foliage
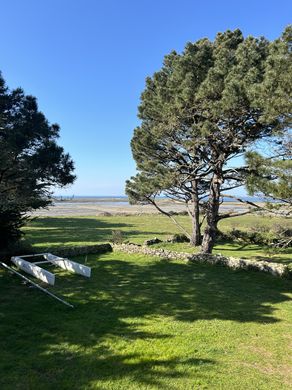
[(16, 247), (271, 178), (276, 237), (179, 238), (31, 162), (276, 90), (271, 175)]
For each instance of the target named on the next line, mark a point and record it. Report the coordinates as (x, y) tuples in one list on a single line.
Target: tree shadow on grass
[(234, 245), (187, 292), (59, 231), (246, 250), (275, 259), (63, 348)]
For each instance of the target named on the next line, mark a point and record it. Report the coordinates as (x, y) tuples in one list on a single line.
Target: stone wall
[(80, 250), (275, 269)]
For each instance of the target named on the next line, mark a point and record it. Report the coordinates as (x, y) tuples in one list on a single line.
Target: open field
[(51, 231), (143, 323)]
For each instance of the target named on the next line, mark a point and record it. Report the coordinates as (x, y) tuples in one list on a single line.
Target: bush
[(11, 223), (283, 236), (16, 248), (152, 241), (178, 238), (183, 212), (117, 237), (278, 236)]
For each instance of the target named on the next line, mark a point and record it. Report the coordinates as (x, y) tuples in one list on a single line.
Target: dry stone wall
[(275, 269), (81, 250)]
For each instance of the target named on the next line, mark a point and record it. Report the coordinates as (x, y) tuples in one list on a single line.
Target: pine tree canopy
[(204, 107)]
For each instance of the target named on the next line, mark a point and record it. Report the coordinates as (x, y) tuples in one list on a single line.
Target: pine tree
[(31, 162), (205, 107)]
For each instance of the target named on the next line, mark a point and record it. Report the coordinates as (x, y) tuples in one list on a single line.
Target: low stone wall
[(275, 269), (80, 250)]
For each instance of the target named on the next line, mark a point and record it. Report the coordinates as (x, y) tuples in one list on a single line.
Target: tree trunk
[(212, 216), (195, 217), (196, 231)]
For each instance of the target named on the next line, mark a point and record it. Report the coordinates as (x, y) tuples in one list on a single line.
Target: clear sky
[(86, 61)]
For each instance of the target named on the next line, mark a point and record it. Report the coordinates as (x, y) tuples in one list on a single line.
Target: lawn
[(144, 323), (46, 233)]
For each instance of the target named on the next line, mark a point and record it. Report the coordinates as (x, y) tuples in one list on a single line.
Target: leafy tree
[(271, 178), (276, 90), (31, 162), (271, 172), (205, 107)]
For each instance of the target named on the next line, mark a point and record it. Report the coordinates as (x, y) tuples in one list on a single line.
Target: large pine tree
[(205, 107)]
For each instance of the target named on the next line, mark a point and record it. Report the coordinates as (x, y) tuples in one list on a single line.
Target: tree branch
[(169, 216)]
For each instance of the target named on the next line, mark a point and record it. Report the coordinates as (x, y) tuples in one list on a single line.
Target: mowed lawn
[(145, 323), (46, 233)]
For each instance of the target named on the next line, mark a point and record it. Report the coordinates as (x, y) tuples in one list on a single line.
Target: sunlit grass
[(144, 323), (46, 233)]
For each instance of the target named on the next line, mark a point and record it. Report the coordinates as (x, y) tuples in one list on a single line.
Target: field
[(55, 231), (145, 323)]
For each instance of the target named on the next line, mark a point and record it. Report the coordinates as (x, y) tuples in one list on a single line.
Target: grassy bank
[(143, 323), (49, 232)]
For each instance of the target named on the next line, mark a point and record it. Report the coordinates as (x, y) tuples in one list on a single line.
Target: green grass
[(49, 232), (143, 323)]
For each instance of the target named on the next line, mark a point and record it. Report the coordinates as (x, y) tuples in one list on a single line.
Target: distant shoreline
[(106, 206), (85, 199), (124, 199)]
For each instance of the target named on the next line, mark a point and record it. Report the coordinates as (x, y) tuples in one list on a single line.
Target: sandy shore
[(105, 206)]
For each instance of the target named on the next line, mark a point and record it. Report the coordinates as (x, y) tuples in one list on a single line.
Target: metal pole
[(36, 285), (34, 255)]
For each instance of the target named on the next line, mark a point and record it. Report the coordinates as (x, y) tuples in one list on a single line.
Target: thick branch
[(253, 205), (231, 215)]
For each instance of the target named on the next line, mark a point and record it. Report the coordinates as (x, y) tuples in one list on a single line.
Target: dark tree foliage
[(205, 107), (31, 162), (270, 174), (271, 178)]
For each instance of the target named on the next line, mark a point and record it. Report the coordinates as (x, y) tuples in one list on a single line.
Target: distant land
[(119, 205), (124, 198)]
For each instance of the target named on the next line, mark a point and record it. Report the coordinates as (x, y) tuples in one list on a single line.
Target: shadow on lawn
[(73, 346), (272, 258), (64, 230), (246, 249), (187, 292)]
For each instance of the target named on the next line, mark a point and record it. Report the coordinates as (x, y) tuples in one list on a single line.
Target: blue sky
[(86, 61)]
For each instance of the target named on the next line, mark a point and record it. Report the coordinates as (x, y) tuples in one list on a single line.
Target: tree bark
[(195, 217), (196, 232), (212, 216)]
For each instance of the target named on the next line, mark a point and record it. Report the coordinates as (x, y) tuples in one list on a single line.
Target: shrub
[(252, 237), (152, 241), (178, 238), (283, 236), (16, 248), (276, 237), (117, 237)]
